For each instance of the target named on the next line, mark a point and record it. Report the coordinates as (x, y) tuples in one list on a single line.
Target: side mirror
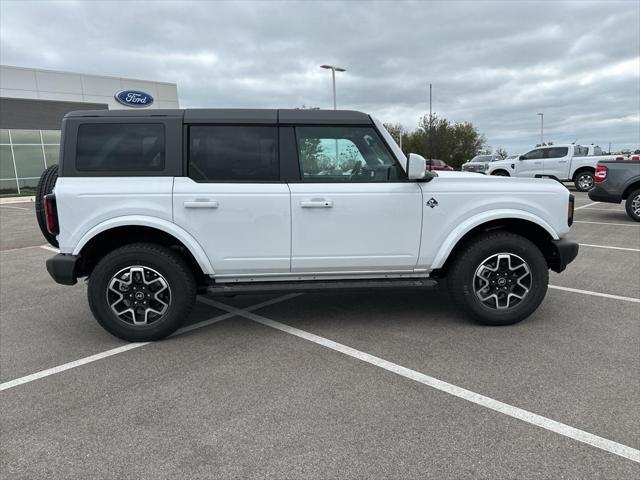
[(416, 166), (521, 157)]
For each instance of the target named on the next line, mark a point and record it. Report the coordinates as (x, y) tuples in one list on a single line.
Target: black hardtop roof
[(238, 115)]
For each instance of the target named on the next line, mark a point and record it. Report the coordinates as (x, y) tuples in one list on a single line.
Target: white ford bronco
[(154, 207)]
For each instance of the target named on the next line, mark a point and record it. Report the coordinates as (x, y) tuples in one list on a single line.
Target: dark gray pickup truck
[(618, 180)]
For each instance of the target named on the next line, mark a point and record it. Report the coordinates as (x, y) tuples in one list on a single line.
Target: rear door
[(352, 210), (233, 201), (556, 162)]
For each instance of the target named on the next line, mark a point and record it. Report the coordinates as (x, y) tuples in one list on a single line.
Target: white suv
[(154, 207)]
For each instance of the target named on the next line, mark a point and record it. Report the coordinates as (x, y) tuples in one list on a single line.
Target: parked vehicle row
[(564, 163), (153, 206)]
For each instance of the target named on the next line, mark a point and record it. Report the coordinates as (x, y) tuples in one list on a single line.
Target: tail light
[(601, 173), (572, 201), (635, 157), (51, 214), (619, 157)]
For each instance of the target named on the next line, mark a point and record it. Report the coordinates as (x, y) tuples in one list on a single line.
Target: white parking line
[(610, 248), (585, 206), (596, 294), (473, 397), (51, 249), (15, 208), (618, 209), (130, 346), (606, 223)]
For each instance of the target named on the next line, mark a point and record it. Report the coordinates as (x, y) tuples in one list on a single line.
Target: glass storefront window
[(28, 149), (51, 137), (29, 160), (52, 154), (6, 163), (25, 136)]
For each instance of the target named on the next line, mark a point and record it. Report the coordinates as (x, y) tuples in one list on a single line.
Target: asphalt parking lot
[(363, 385)]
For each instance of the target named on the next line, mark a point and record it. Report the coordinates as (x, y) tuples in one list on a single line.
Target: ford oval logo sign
[(134, 98)]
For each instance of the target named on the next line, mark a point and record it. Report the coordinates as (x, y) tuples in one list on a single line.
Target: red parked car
[(439, 165)]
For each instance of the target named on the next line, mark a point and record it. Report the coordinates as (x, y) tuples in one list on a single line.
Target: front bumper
[(599, 194), (563, 253), (63, 268)]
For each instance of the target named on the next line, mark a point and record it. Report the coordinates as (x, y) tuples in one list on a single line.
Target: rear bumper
[(63, 268), (564, 252), (599, 194)]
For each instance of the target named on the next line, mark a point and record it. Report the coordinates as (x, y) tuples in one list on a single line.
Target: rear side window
[(557, 152), (233, 153), (120, 147)]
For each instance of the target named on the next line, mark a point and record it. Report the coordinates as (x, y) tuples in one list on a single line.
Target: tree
[(502, 153)]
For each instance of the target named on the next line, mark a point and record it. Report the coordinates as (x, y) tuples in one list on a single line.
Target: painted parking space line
[(585, 206), (18, 249), (607, 223), (131, 346), (609, 247), (16, 208), (50, 248), (596, 294), (473, 397), (615, 208)]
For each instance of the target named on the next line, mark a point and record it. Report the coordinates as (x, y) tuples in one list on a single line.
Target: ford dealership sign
[(134, 98)]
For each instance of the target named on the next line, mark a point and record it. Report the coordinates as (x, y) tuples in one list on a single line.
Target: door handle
[(201, 204), (316, 204)]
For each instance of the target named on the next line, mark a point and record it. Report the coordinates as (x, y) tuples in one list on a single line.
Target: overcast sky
[(495, 64)]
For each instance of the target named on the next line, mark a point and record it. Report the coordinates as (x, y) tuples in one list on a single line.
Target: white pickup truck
[(565, 163), (155, 206)]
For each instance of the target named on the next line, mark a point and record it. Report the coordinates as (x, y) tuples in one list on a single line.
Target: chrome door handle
[(316, 204), (201, 204)]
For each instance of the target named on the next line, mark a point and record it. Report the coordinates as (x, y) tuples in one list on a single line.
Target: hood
[(454, 174)]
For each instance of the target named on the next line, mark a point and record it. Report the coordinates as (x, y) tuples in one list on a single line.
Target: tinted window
[(120, 147), (580, 151), (557, 152), (533, 154), (343, 154), (241, 153)]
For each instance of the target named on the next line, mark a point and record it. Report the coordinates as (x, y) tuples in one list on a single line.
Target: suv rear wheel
[(499, 279), (141, 292), (633, 205)]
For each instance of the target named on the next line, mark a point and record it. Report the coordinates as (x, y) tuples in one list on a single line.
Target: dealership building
[(33, 102)]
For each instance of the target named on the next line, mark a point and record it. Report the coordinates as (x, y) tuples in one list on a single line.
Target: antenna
[(430, 131)]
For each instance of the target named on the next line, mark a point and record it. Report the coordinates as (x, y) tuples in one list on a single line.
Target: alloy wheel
[(502, 281)]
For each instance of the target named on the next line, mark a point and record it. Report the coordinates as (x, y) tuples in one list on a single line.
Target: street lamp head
[(340, 69), (334, 68), (540, 113), (326, 66)]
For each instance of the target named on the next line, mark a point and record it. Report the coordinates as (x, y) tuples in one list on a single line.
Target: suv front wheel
[(141, 292), (498, 279)]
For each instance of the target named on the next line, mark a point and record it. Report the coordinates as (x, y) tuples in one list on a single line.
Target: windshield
[(481, 158)]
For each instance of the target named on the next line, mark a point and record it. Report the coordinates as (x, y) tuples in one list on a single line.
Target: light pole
[(334, 69), (541, 127)]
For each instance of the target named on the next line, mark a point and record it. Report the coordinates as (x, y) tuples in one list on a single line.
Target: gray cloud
[(493, 63)]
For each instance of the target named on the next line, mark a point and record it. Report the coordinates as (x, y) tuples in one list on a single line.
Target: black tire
[(584, 180), (45, 187), (501, 173), (461, 278), (632, 205), (154, 258)]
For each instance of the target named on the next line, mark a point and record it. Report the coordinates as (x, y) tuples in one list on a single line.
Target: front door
[(353, 210), (232, 202), (530, 164)]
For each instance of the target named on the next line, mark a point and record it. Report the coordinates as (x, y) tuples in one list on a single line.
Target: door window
[(533, 154), (557, 152), (344, 154), (233, 153)]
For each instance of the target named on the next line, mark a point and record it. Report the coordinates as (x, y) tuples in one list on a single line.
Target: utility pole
[(333, 69), (541, 128)]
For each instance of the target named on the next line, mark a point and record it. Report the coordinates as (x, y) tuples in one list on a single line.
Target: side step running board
[(318, 286)]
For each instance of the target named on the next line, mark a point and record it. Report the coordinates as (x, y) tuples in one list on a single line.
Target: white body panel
[(85, 202), (243, 227), (355, 226)]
